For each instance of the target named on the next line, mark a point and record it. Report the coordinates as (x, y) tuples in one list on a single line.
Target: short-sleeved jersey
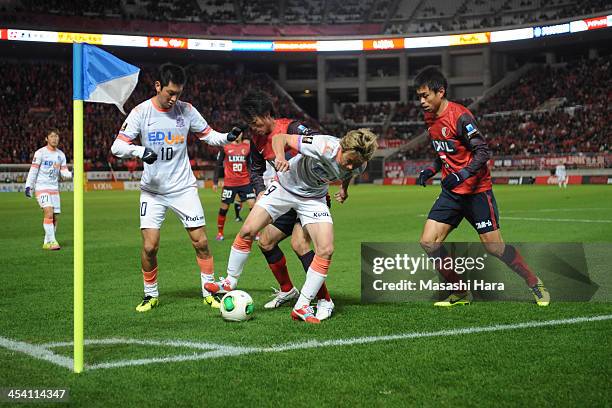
[(560, 170), (45, 171), (263, 143), (315, 167), (450, 134), (165, 131), (235, 164)]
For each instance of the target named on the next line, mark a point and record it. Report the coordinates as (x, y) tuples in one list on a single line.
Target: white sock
[(206, 278), (49, 232), (314, 281), (235, 265), (151, 290)]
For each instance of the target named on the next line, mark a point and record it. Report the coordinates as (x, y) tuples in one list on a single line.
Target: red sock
[(279, 269), (515, 261), (220, 223)]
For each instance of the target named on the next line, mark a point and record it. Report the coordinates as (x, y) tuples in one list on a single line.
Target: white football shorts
[(185, 204), (49, 199), (277, 201)]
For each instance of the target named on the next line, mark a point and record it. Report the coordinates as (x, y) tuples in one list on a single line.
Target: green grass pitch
[(534, 366)]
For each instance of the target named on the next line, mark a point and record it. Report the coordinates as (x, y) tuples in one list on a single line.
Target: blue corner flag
[(106, 78)]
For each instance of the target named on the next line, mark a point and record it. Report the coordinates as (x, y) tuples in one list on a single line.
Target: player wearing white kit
[(302, 184), (561, 175), (163, 123), (48, 165)]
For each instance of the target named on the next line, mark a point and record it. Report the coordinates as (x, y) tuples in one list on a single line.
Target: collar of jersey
[(157, 108)]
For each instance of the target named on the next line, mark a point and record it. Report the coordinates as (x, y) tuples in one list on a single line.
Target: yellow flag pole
[(78, 206)]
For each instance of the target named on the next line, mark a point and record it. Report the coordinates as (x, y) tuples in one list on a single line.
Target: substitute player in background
[(257, 110), (561, 175), (466, 185), (302, 185), (163, 123), (234, 160), (48, 165)]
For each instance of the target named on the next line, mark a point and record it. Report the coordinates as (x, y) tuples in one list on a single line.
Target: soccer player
[(234, 160), (561, 175), (257, 110), (48, 165), (302, 184), (163, 123), (462, 155)]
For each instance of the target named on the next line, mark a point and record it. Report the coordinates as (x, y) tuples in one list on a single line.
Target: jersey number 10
[(166, 153)]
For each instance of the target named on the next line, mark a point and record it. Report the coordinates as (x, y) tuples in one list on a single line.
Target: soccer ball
[(237, 306)]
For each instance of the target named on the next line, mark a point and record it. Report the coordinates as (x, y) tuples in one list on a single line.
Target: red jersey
[(263, 144), (450, 135), (235, 163)]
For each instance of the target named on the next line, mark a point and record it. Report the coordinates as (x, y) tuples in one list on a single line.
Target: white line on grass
[(39, 352), (502, 218), (218, 350)]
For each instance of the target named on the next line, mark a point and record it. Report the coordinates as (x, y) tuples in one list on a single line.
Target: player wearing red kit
[(234, 159), (462, 155)]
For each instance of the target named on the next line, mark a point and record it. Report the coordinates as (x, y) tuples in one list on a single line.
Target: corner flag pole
[(77, 89)]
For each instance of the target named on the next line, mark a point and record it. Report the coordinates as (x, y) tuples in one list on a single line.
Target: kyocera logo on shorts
[(320, 214), (196, 218), (167, 137)]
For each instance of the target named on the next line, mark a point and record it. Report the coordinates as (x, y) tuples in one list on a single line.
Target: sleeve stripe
[(123, 137), (35, 165), (299, 143), (206, 131)]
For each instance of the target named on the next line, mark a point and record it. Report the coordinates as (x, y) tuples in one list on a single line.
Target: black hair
[(256, 103), (52, 130), (432, 78), (171, 73)]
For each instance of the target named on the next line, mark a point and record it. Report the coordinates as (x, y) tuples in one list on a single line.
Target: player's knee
[(325, 251), (150, 249), (247, 232), (200, 245), (265, 243), (299, 245), (428, 246)]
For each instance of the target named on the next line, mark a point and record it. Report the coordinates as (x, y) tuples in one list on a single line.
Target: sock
[(515, 261), (447, 272), (54, 224), (237, 208), (206, 272), (150, 282), (315, 277), (306, 259), (278, 265), (221, 220), (241, 248), (49, 230)]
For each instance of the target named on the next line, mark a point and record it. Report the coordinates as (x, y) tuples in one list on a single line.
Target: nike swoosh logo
[(152, 123)]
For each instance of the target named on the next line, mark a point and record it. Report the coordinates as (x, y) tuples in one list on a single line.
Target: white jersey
[(47, 166), (165, 132), (560, 171), (315, 167)]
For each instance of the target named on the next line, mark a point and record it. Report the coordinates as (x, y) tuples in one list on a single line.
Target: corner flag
[(97, 76)]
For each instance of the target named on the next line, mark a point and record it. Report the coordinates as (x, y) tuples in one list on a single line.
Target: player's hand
[(149, 156), (425, 175), (454, 179), (341, 195), (281, 164), (234, 134), (28, 192)]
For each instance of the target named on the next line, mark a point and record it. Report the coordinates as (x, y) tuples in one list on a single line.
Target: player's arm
[(469, 133), (65, 173), (124, 147), (429, 172), (342, 195), (257, 167), (33, 174), (279, 142), (218, 168)]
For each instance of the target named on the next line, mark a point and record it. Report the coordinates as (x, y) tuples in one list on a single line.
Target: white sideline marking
[(557, 210), (553, 219), (39, 352), (218, 350)]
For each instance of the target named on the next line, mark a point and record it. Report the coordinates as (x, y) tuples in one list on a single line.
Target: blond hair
[(360, 141)]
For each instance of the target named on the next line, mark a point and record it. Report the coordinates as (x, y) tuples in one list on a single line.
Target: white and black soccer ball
[(237, 306)]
